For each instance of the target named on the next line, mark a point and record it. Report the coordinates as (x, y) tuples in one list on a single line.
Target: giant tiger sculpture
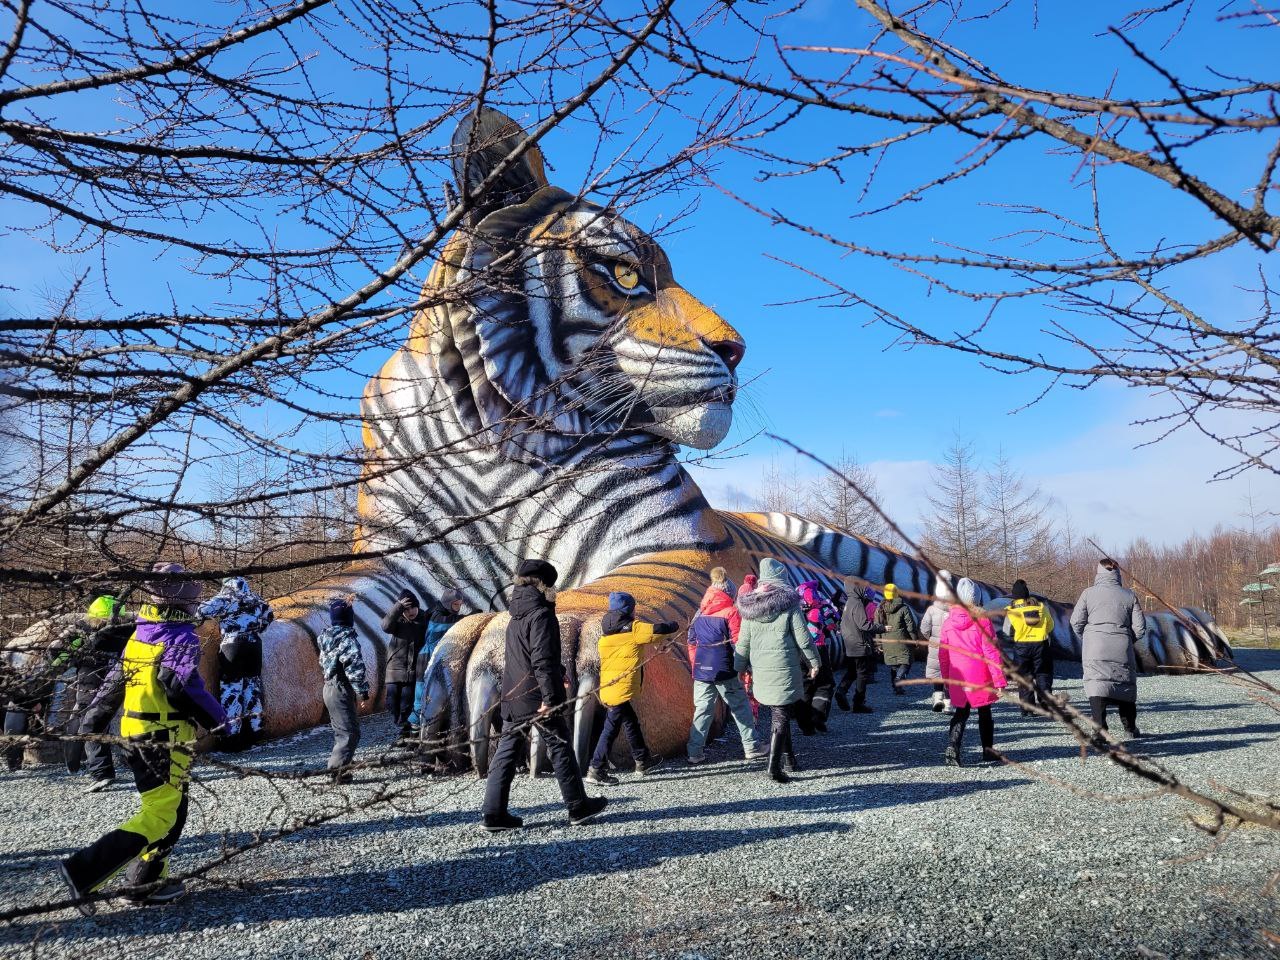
[(545, 392)]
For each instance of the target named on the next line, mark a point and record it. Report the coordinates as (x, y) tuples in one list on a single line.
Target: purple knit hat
[(170, 589)]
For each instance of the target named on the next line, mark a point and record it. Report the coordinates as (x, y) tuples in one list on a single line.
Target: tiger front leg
[(666, 587)]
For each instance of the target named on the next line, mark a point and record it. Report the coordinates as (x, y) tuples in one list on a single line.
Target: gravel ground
[(876, 850)]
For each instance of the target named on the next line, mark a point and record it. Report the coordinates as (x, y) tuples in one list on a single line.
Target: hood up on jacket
[(942, 590), (1107, 578), (773, 596), (715, 600), (621, 615)]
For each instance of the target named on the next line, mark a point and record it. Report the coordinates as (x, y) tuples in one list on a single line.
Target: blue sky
[(830, 380)]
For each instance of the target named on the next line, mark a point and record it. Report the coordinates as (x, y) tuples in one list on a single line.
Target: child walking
[(621, 662), (971, 667), (164, 700), (345, 680)]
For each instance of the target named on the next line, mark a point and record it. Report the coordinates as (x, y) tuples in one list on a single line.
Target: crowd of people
[(769, 643)]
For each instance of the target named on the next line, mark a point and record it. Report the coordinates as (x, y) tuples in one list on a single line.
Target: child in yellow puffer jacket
[(622, 654)]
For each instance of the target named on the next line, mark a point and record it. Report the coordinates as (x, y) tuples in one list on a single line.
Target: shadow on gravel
[(346, 830), (1175, 744), (499, 868)]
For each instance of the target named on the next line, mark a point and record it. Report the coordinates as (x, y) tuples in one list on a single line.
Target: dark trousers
[(17, 718), (986, 726), (857, 675), (780, 718), (818, 691), (340, 700), (97, 720), (513, 745), (1034, 661), (617, 719), (400, 703), (1127, 709)]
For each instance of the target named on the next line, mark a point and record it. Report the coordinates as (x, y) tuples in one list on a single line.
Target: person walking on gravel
[(242, 615), (931, 629), (713, 633), (533, 693), (345, 681), (1028, 628), (1109, 621), (95, 647), (775, 645), (164, 701), (406, 624), (970, 665), (824, 627), (899, 631), (859, 650), (446, 613), (623, 644)]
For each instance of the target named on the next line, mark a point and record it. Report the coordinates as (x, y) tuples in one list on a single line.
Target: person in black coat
[(859, 650), (406, 623), (533, 693)]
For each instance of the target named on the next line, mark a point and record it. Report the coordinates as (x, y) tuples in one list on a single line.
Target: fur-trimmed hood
[(767, 602)]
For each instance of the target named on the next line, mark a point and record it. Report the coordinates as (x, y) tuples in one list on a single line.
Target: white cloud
[(1113, 488)]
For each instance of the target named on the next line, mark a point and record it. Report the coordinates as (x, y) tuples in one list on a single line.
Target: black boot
[(777, 745), (791, 753), (843, 700)]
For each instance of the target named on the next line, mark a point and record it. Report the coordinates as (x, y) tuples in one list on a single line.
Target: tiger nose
[(730, 351)]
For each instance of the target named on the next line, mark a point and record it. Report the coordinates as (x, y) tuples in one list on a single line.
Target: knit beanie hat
[(408, 595), (967, 591), (720, 580), (942, 589), (890, 591), (450, 597), (749, 582), (166, 589), (340, 613), (771, 571), (1020, 591)]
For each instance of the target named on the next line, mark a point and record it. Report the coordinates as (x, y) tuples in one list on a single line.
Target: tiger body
[(536, 410)]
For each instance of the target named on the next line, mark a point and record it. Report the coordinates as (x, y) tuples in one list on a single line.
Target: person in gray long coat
[(931, 629), (775, 646), (1109, 621)]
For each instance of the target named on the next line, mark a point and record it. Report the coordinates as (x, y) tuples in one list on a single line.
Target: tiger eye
[(626, 276)]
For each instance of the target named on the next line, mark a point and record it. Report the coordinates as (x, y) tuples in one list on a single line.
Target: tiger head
[(557, 322)]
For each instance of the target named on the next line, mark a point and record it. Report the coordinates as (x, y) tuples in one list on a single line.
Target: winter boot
[(842, 700), (947, 706), (952, 757), (791, 754), (937, 701), (777, 745)]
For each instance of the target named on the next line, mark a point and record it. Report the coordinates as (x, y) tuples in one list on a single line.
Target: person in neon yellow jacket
[(164, 701), (1028, 632)]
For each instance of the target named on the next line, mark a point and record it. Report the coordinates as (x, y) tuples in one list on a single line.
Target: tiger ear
[(482, 141)]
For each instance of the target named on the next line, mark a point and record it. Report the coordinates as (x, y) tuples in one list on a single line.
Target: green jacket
[(774, 643), (899, 625)]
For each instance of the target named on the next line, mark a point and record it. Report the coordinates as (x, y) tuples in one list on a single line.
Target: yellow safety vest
[(1031, 621)]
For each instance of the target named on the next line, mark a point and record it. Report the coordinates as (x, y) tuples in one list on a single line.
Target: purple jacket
[(178, 671)]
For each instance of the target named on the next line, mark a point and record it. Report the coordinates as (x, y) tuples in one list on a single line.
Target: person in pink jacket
[(970, 666)]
